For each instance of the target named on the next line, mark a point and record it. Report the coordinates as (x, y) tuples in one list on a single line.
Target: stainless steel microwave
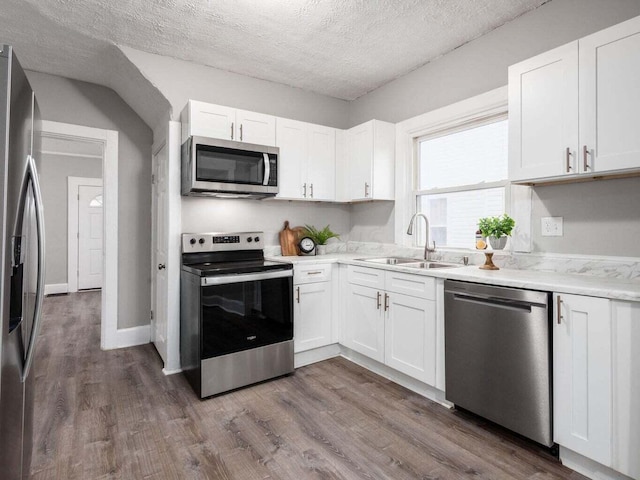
[(227, 169)]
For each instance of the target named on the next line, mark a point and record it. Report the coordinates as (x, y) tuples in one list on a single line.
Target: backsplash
[(606, 267)]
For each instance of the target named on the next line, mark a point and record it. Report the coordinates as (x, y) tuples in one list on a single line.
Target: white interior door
[(159, 256), (90, 236)]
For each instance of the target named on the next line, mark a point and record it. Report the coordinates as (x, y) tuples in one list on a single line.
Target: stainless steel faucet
[(427, 250)]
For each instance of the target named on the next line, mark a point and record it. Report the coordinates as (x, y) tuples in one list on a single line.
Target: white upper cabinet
[(610, 98), (543, 115), (307, 160), (573, 110), (371, 153), (217, 121)]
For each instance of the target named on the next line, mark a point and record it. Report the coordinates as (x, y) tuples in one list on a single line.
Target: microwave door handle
[(267, 169)]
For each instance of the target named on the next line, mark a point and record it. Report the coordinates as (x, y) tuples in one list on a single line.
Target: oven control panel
[(221, 242)]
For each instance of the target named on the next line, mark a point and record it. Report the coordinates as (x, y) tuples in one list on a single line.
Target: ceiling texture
[(339, 48)]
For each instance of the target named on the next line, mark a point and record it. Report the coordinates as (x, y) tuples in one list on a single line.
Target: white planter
[(498, 243)]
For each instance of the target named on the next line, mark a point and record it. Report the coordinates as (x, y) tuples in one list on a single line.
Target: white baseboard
[(171, 372), (395, 376), (56, 288), (130, 337), (588, 467), (316, 355)]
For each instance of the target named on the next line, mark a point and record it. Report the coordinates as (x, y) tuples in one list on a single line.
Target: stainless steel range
[(236, 312)]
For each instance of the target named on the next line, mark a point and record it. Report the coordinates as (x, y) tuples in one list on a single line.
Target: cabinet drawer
[(408, 284), (367, 277), (311, 273)]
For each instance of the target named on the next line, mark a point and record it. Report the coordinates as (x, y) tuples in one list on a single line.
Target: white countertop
[(620, 289)]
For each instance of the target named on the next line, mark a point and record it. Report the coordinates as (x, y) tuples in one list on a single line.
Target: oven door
[(240, 312)]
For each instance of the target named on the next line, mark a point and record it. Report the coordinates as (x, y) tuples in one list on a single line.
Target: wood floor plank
[(115, 415)]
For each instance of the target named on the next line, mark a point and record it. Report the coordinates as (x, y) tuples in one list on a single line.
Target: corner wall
[(70, 101)]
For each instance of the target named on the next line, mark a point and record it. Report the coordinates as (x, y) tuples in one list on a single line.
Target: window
[(461, 176)]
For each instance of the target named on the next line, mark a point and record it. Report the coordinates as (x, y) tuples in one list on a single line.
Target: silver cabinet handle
[(568, 157), (240, 132), (386, 302), (298, 294), (311, 190), (317, 272), (585, 152), (366, 189), (231, 130), (559, 308), (378, 296), (304, 190), (31, 176)]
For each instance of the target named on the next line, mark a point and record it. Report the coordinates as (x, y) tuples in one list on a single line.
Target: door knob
[(161, 266)]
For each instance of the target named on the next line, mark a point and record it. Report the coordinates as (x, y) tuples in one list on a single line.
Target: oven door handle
[(245, 277)]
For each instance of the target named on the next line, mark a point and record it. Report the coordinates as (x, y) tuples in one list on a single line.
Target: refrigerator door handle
[(31, 177)]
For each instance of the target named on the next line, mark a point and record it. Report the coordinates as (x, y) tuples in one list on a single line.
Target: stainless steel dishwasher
[(498, 356)]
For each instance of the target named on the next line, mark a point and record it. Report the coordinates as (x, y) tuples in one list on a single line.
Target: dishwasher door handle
[(497, 302)]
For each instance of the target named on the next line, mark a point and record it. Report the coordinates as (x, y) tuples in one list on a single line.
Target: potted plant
[(496, 230), (320, 236)]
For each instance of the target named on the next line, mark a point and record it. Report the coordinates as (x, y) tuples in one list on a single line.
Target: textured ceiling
[(335, 47)]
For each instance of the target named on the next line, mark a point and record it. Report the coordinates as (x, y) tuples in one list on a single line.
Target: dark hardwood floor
[(103, 415)]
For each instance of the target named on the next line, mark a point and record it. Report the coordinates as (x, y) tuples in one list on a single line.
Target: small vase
[(321, 249), (497, 243)]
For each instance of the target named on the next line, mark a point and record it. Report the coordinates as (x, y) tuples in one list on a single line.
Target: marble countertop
[(615, 288)]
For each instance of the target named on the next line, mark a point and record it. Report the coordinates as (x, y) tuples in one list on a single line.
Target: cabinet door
[(543, 115), (258, 128), (364, 323), (610, 98), (626, 388), (410, 336), (582, 375), (291, 139), (361, 161), (312, 320), (321, 163), (215, 121)]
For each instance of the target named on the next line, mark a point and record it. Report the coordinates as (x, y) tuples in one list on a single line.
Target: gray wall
[(81, 103), (481, 65), (599, 218), (180, 81), (54, 172)]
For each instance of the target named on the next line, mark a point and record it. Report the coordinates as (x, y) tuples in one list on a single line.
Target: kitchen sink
[(431, 265), (408, 262), (389, 260)]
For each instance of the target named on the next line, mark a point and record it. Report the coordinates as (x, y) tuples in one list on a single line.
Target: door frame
[(109, 141), (73, 226)]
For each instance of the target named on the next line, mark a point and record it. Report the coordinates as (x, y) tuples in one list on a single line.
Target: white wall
[(226, 215), (71, 101), (481, 65), (54, 172)]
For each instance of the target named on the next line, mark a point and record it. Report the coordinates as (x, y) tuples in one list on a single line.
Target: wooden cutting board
[(289, 238)]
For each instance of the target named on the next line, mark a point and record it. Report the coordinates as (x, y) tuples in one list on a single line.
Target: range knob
[(201, 241), (249, 239), (192, 241), (257, 239)]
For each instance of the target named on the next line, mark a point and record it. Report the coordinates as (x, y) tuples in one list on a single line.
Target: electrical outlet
[(551, 226)]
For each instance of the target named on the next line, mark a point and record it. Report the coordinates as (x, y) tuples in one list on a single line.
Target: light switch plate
[(551, 226)]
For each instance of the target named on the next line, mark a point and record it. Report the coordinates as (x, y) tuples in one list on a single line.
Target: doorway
[(105, 143)]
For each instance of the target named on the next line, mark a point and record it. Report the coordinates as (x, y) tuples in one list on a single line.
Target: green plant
[(320, 236), (496, 226)]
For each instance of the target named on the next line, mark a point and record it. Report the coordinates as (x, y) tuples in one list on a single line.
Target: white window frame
[(460, 115), (474, 123)]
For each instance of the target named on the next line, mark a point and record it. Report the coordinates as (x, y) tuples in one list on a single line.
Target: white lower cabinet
[(312, 306), (582, 375), (391, 318)]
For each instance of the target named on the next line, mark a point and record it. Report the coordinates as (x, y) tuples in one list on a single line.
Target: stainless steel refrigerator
[(21, 264)]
